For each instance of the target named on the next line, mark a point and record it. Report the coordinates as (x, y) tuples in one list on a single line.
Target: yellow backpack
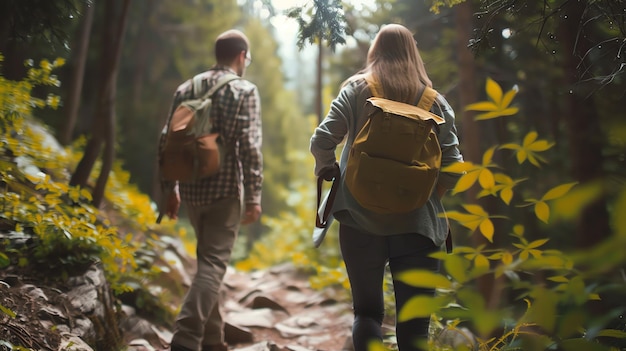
[(395, 159)]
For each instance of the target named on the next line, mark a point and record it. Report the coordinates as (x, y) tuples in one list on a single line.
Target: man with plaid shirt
[(215, 204)]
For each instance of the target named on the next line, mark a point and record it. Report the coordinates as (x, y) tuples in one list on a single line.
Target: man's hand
[(251, 214), (173, 204), (331, 172)]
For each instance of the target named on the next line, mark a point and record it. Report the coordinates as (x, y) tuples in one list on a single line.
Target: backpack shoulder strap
[(197, 85), (428, 98), (220, 83)]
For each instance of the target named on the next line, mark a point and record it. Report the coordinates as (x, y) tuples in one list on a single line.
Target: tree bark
[(104, 125), (79, 57), (471, 135)]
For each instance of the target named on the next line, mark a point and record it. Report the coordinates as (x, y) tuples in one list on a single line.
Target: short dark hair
[(229, 44)]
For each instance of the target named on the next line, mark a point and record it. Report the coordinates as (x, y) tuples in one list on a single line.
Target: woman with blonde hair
[(369, 240)]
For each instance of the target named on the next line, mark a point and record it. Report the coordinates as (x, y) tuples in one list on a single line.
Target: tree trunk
[(79, 57), (104, 124), (115, 45), (583, 124), (471, 136)]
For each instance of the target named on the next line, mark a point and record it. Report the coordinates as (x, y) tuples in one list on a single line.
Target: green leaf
[(620, 221), (457, 268), (543, 310), (424, 279), (376, 345), (569, 206), (419, 307), (612, 333), (7, 311), (4, 260)]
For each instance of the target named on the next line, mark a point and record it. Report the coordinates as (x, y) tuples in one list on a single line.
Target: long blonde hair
[(395, 65)]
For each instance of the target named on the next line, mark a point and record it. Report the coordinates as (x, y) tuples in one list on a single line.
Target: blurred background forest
[(564, 61)]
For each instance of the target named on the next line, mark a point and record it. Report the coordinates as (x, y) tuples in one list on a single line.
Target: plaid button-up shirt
[(237, 112)]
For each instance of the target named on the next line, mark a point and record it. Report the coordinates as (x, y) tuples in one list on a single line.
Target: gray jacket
[(342, 123)]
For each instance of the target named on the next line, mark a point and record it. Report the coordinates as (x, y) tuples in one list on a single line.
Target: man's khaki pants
[(200, 321)]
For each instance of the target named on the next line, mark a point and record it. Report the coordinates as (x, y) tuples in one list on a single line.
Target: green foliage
[(67, 232), (324, 20), (550, 291), (29, 21), (436, 5)]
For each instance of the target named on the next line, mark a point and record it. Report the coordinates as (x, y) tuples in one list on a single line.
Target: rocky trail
[(276, 310), (273, 309)]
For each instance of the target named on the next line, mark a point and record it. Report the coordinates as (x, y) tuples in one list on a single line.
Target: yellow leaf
[(510, 146), (494, 91), (465, 182), (460, 217), (596, 297), (486, 228), (503, 178), (558, 279), (535, 244), (481, 261), (521, 156), (376, 345), (540, 145), (486, 179), (488, 156), (482, 106), (558, 191), (506, 195), (542, 211), (508, 97), (458, 167), (473, 224), (508, 111), (530, 138), (532, 159), (475, 209), (507, 258), (488, 115)]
